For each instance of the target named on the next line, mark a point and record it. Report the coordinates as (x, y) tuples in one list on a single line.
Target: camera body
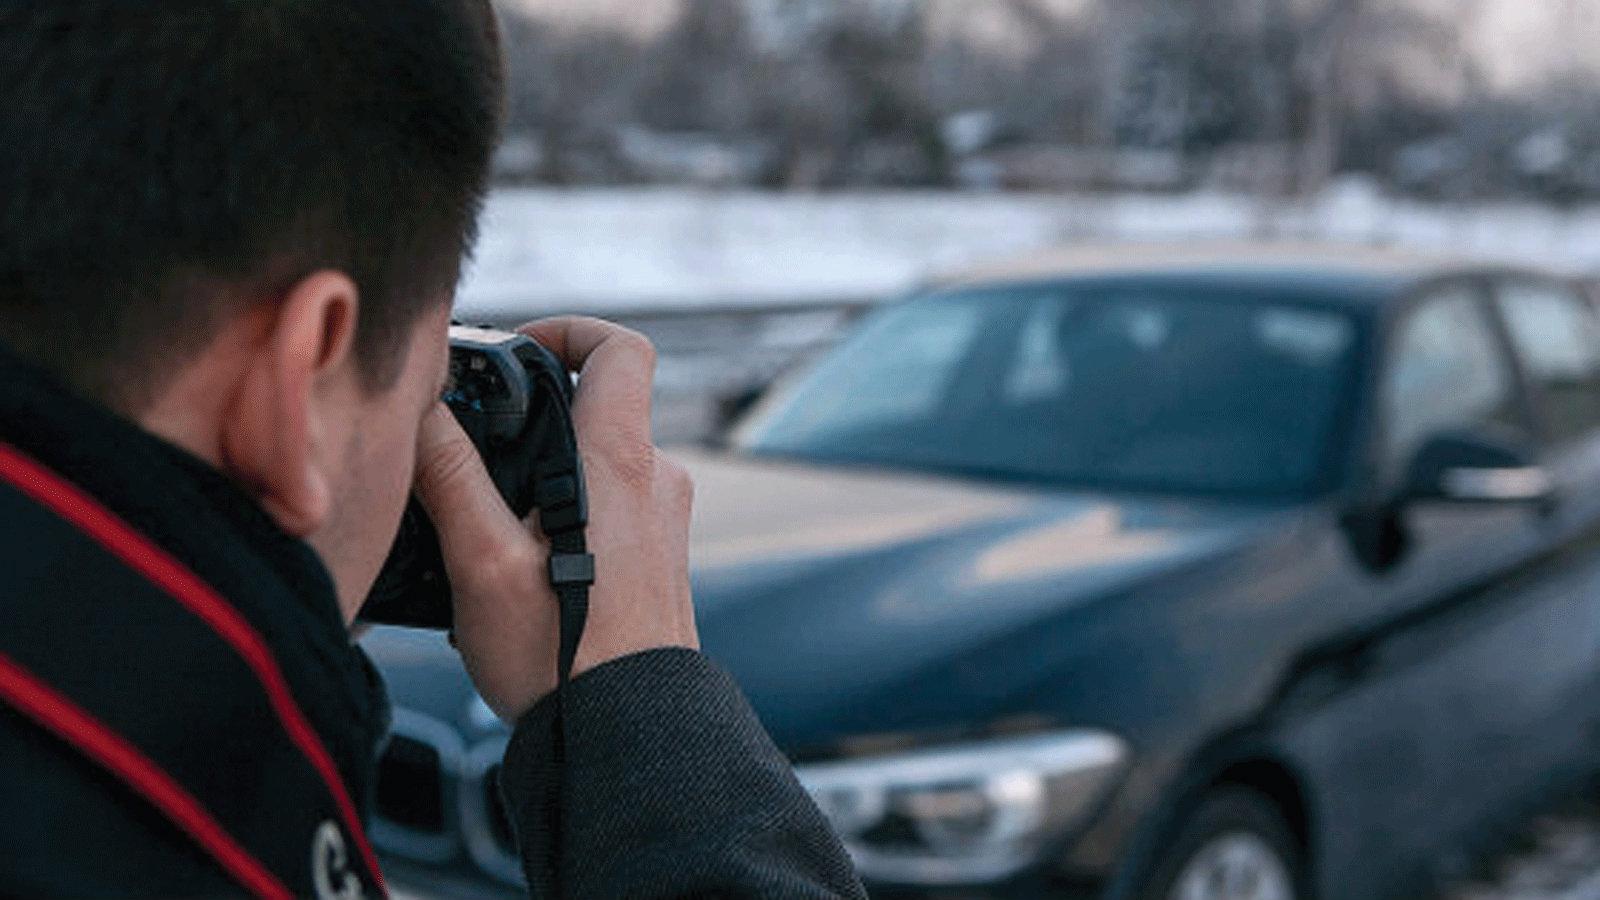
[(513, 398)]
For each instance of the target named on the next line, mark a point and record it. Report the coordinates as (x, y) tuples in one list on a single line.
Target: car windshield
[(1170, 389)]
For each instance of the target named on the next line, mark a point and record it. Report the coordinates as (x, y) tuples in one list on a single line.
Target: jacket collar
[(211, 525)]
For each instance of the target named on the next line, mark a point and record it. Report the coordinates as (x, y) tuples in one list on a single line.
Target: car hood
[(847, 600)]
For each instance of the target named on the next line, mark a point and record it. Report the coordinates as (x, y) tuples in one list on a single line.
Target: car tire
[(1233, 844)]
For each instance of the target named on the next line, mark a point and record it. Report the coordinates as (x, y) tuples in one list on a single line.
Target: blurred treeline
[(1275, 97)]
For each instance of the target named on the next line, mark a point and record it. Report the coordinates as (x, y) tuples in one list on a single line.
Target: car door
[(1555, 331), (1426, 735), (1447, 369)]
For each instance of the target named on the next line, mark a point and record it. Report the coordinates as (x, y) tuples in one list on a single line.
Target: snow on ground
[(1558, 859), (613, 250)]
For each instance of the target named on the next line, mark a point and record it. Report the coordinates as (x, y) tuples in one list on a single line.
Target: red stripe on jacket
[(36, 700), (177, 581)]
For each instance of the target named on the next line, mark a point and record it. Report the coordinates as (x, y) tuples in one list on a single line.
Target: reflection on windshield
[(1150, 389)]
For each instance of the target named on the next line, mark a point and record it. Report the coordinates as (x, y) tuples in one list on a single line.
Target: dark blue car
[(1259, 574)]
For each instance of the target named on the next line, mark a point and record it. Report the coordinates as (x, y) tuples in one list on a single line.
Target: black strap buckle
[(571, 570)]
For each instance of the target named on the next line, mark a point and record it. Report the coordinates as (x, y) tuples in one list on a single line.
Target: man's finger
[(573, 338), (455, 487), (617, 369)]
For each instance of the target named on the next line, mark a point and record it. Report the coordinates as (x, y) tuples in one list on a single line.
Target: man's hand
[(506, 618)]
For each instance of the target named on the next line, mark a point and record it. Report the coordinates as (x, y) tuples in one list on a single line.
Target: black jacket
[(182, 712)]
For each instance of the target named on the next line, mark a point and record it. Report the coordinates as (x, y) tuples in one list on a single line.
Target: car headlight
[(969, 813)]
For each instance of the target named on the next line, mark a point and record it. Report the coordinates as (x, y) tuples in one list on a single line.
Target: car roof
[(1333, 273)]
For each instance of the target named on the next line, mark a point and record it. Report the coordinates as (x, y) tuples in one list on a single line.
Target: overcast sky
[(1523, 39)]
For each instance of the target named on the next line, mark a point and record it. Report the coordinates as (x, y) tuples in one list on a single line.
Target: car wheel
[(1233, 845)]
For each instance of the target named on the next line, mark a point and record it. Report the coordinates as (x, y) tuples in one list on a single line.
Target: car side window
[(1557, 336), (1447, 372)]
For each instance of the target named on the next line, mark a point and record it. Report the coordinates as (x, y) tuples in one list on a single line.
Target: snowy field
[(650, 249)]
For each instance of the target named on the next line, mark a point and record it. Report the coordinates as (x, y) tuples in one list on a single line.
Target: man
[(229, 235)]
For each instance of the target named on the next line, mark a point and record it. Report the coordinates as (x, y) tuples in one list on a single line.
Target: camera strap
[(563, 504), (571, 575)]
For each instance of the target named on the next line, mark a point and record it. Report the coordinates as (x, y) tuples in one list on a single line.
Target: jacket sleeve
[(669, 788)]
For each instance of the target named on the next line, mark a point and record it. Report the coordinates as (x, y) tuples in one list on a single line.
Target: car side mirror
[(729, 408), (1477, 467)]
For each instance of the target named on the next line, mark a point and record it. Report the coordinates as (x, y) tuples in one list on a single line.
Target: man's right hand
[(506, 615)]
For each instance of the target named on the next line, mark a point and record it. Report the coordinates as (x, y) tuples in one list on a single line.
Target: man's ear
[(288, 425)]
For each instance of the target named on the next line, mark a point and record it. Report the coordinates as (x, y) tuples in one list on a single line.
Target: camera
[(513, 398)]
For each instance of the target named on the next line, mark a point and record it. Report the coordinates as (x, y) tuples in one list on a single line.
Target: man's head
[(241, 222)]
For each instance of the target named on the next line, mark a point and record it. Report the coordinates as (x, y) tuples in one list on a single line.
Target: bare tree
[(842, 92), (697, 74)]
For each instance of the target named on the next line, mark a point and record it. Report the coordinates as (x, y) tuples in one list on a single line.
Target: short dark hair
[(163, 163)]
